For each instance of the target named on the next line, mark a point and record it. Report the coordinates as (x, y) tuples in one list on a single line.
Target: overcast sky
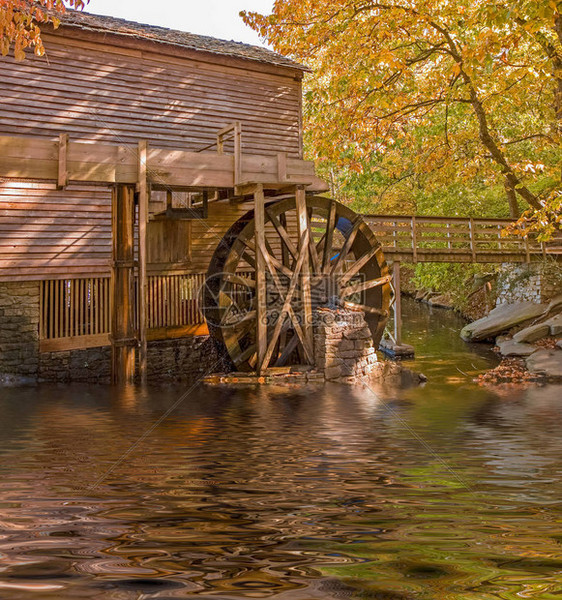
[(217, 18)]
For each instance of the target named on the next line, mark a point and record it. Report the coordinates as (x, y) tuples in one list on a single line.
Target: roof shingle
[(131, 29)]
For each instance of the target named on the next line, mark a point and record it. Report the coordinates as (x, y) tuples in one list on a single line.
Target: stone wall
[(536, 282), (168, 360), (184, 359), (20, 359), (90, 365), (343, 345), (19, 329)]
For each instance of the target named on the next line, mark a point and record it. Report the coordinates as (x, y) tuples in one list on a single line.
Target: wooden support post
[(414, 240), (123, 342), (261, 283), (282, 167), (62, 178), (142, 280), (397, 304), (302, 226), (237, 153), (472, 240)]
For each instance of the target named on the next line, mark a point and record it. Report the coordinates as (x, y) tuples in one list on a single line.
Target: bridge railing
[(425, 238)]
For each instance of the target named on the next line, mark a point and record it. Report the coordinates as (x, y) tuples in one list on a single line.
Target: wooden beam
[(237, 153), (397, 303), (282, 166), (261, 282), (62, 178), (302, 227), (78, 342), (38, 158), (123, 341), (142, 241)]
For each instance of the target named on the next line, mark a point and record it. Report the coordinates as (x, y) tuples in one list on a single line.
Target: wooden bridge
[(457, 239), (415, 239)]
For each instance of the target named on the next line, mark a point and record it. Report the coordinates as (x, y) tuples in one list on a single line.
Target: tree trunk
[(512, 182), (557, 72), (512, 201)]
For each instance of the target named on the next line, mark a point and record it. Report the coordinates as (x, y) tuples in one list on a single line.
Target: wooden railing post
[(472, 245), (142, 281), (302, 226), (123, 342), (261, 283), (397, 303), (414, 243)]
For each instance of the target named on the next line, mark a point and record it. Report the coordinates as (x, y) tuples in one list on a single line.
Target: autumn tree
[(21, 21), (445, 89)]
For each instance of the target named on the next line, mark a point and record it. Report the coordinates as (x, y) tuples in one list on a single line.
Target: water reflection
[(446, 491)]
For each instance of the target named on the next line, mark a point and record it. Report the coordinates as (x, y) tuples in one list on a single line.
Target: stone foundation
[(343, 348), (183, 359), (19, 329), (91, 365), (536, 282), (343, 345), (168, 360)]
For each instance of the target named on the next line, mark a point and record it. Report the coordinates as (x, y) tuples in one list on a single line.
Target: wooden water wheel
[(333, 261)]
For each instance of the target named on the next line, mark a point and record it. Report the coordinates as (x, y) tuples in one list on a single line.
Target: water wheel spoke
[(288, 298), (313, 254), (246, 354), (236, 279), (289, 348), (364, 285), (329, 237), (347, 246), (359, 264), (282, 232), (366, 309), (249, 245)]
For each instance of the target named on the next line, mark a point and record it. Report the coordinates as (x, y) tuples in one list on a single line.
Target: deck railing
[(76, 313), (456, 239), (174, 305)]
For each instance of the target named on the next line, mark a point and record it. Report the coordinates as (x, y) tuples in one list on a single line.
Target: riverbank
[(526, 336)]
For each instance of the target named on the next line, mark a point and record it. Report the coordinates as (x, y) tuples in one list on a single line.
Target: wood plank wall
[(47, 233), (98, 92), (120, 98)]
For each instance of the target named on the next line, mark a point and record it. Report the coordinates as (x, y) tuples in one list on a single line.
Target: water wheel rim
[(224, 299)]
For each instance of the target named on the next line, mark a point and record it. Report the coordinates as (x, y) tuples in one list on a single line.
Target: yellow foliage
[(20, 23)]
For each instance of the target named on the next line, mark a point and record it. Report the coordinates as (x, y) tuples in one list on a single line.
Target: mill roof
[(141, 31)]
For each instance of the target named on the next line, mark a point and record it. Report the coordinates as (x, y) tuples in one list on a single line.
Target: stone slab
[(546, 362), (501, 319), (555, 325), (396, 350), (513, 348), (532, 333)]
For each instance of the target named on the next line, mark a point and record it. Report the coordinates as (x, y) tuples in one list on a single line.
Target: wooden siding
[(47, 233), (103, 93), (117, 97)]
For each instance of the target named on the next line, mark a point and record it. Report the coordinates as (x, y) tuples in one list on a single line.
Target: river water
[(392, 492)]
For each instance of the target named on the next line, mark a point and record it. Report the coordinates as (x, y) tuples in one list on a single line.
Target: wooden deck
[(456, 239)]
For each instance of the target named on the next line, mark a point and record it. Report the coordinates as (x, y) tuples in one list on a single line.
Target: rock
[(559, 344), (546, 362), (513, 348), (396, 351), (555, 325), (501, 319), (442, 301), (532, 333), (555, 305)]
